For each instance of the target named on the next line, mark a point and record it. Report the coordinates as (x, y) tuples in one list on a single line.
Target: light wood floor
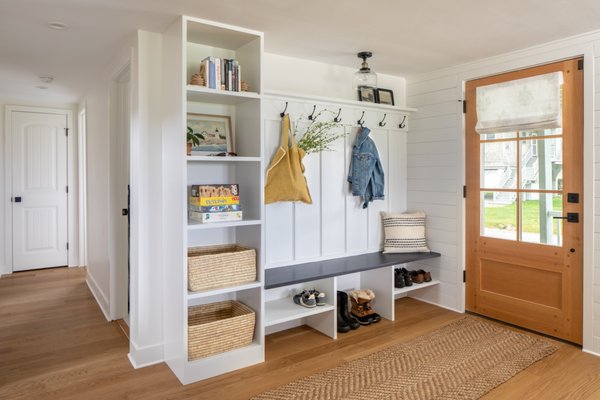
[(56, 344)]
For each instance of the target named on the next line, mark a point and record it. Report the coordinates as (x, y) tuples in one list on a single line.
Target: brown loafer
[(426, 276), (417, 276)]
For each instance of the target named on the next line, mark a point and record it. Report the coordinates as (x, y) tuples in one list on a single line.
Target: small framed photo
[(367, 94), (214, 134), (385, 96)]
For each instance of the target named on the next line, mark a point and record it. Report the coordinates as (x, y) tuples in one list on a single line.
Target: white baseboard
[(141, 357), (591, 352), (100, 297), (438, 305)]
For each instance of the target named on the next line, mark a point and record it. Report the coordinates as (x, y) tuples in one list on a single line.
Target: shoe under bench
[(376, 272)]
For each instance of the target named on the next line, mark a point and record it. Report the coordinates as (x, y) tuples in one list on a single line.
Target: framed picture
[(367, 94), (385, 96), (214, 132)]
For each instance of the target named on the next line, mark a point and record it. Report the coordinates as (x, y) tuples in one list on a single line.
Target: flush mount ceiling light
[(57, 25), (364, 77)]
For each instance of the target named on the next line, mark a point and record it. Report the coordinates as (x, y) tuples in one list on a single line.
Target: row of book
[(221, 73), (214, 203)]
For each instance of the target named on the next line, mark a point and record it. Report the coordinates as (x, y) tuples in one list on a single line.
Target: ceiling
[(406, 37)]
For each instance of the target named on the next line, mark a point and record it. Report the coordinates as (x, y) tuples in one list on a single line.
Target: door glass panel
[(499, 219), (538, 224), (541, 164), (499, 165)]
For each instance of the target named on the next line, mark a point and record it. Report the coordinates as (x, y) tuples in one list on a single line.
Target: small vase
[(189, 149)]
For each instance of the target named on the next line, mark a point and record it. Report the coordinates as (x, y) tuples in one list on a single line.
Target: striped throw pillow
[(404, 233)]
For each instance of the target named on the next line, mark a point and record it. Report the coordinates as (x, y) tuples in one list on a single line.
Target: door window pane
[(499, 219), (499, 165), (538, 224), (541, 164)]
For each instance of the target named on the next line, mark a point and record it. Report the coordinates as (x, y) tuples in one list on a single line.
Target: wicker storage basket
[(219, 266), (219, 327)]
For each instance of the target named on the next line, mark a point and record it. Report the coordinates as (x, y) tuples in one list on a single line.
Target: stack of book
[(214, 203), (221, 73)]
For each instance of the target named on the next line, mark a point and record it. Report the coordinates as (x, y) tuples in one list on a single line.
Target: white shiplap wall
[(335, 224), (436, 165), (432, 184)]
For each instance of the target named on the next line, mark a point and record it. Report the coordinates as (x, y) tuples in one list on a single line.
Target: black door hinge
[(66, 131), (464, 106), (464, 276), (67, 245), (465, 191), (67, 188), (580, 64)]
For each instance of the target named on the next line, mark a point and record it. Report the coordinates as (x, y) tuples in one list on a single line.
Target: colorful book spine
[(216, 209), (214, 201), (215, 217), (217, 73)]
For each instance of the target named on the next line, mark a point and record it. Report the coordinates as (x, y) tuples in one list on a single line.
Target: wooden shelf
[(203, 94), (229, 289), (194, 225), (416, 286), (284, 310), (222, 159)]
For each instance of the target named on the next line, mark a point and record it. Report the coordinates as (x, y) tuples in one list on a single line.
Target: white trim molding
[(141, 357)]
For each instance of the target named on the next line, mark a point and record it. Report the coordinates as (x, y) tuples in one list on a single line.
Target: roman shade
[(520, 105)]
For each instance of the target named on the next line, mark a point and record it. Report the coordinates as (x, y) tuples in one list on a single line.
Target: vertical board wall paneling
[(335, 224), (433, 168), (596, 140)]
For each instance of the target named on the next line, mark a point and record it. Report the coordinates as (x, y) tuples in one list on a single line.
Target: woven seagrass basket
[(220, 266), (219, 327)]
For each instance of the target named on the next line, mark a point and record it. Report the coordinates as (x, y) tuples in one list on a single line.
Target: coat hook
[(381, 123), (361, 121), (337, 118), (312, 115), (402, 124), (282, 114)]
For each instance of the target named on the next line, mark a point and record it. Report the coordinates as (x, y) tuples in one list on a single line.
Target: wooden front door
[(524, 261)]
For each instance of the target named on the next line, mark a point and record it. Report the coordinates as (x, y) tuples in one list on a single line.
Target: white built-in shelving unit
[(185, 43)]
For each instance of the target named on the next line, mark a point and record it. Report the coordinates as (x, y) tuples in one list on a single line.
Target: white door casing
[(39, 179)]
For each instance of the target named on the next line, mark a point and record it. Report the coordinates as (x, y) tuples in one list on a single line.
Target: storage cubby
[(185, 44)]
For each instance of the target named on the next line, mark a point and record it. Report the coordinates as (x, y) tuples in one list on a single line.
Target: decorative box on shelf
[(219, 266), (219, 327), (214, 203)]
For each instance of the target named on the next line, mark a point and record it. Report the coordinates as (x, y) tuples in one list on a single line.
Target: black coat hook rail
[(402, 124), (337, 117), (361, 121), (312, 115), (381, 123), (282, 114)]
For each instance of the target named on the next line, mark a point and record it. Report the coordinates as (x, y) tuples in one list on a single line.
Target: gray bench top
[(299, 273)]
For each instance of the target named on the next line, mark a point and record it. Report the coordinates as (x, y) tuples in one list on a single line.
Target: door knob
[(18, 199), (571, 217), (124, 211)]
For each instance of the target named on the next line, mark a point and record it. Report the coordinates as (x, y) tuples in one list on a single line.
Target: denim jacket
[(366, 173)]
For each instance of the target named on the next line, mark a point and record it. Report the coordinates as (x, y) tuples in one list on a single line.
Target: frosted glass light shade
[(366, 78)]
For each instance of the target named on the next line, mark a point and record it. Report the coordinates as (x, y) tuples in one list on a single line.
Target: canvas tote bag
[(285, 175)]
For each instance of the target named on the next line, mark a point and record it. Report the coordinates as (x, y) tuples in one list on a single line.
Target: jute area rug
[(462, 360)]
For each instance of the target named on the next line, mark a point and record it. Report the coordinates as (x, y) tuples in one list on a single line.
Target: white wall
[(436, 164), (142, 53), (5, 265), (295, 75)]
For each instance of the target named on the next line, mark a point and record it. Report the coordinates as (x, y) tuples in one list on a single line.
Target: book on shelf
[(221, 73), (215, 209), (215, 217)]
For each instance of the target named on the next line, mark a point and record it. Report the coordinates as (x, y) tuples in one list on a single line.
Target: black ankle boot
[(342, 299)]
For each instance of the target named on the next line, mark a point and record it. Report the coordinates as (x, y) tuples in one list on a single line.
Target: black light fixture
[(364, 77)]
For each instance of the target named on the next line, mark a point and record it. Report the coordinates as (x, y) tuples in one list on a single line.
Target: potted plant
[(193, 139)]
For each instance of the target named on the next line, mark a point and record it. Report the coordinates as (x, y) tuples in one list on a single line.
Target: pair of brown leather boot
[(361, 306)]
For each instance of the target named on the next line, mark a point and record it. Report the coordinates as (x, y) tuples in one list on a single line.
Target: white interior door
[(39, 190)]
